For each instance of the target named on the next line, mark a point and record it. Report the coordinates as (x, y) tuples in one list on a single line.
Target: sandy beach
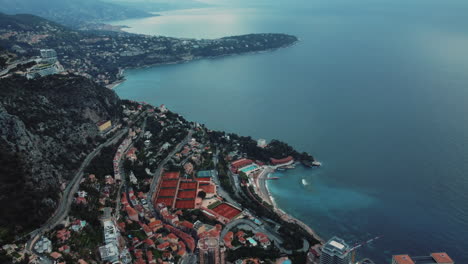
[(262, 190)]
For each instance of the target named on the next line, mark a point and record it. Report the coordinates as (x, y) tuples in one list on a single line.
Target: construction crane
[(358, 245)]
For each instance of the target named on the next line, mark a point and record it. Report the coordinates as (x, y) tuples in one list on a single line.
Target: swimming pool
[(249, 168)]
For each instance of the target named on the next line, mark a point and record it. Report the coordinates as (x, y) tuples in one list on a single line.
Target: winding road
[(67, 196)]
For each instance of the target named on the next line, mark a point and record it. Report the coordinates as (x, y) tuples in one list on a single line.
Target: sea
[(377, 90)]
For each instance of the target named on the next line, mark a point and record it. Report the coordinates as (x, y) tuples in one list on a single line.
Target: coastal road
[(219, 188), (67, 196)]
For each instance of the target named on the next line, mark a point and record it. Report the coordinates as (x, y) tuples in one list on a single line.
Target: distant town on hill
[(71, 12)]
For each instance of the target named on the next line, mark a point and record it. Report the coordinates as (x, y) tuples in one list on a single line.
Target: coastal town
[(103, 55), (153, 187), (171, 196), (165, 190)]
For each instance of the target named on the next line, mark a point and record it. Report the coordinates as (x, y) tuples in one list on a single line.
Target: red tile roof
[(163, 245), (281, 161), (172, 236), (171, 175), (138, 253), (149, 255), (131, 211), (55, 255), (149, 242), (155, 224), (442, 258), (241, 163), (228, 239), (186, 224), (146, 228), (403, 259)]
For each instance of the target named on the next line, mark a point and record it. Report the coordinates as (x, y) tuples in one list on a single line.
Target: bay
[(376, 90)]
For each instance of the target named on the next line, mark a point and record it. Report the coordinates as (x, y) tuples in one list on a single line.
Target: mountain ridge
[(70, 12), (46, 127)]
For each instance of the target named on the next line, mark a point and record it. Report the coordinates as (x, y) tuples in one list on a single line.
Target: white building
[(48, 56), (132, 177), (261, 143), (109, 253), (43, 245), (47, 65), (82, 194), (163, 109), (110, 232), (165, 146)]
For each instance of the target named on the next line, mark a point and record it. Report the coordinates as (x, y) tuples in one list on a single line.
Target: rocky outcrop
[(47, 126)]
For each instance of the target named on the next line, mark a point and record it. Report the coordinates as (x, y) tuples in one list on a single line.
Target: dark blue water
[(376, 90)]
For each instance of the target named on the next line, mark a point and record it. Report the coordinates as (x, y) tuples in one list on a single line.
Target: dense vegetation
[(275, 149), (47, 126), (18, 197)]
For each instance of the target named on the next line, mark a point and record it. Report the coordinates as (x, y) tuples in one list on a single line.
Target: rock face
[(47, 126)]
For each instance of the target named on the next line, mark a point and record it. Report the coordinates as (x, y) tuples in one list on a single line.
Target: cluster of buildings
[(44, 246), (433, 258), (246, 166), (174, 244), (240, 236), (48, 64), (110, 251)]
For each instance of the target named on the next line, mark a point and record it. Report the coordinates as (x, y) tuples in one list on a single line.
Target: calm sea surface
[(376, 90)]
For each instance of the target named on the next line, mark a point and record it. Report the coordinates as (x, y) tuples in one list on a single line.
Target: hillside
[(46, 128), (71, 12), (100, 55)]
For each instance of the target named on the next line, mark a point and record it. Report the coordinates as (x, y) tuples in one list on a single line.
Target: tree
[(202, 194)]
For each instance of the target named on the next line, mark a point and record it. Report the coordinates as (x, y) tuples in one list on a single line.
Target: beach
[(261, 188)]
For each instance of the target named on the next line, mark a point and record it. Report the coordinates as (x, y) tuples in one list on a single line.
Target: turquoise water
[(376, 90), (249, 168)]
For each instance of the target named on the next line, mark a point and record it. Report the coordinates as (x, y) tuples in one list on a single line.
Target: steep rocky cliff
[(47, 126)]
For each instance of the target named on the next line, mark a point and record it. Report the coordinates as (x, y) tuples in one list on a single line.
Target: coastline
[(264, 192), (260, 181), (114, 84)]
